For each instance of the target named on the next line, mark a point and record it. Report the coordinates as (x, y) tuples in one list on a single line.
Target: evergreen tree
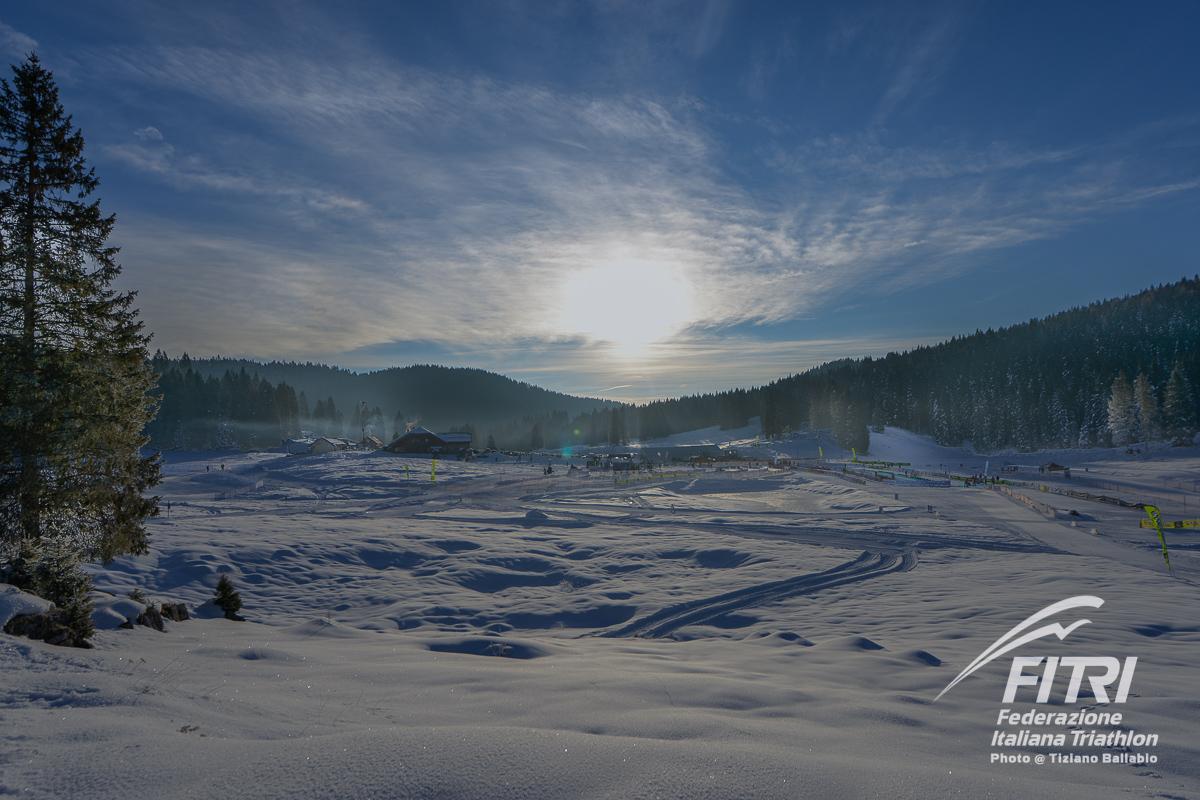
[(285, 409), (1059, 429), (334, 418), (1093, 426), (1179, 422), (771, 414), (1122, 412), (59, 578), (51, 571), (1148, 414), (850, 426), (358, 420), (375, 423), (74, 371), (227, 598)]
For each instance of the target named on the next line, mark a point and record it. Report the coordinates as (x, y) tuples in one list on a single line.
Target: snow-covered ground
[(732, 632)]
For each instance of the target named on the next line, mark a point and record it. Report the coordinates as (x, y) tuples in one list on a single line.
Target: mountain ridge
[(1043, 382)]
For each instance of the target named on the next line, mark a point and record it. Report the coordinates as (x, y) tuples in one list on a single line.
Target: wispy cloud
[(148, 134), (356, 200), (15, 44), (151, 153), (893, 215), (923, 57), (476, 189), (711, 23)]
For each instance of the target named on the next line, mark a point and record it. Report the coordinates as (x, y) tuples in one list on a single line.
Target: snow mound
[(110, 613), (14, 603), (486, 646), (854, 643), (326, 628), (782, 638), (924, 657), (835, 497)]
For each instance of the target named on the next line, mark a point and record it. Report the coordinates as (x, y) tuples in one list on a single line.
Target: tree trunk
[(30, 474)]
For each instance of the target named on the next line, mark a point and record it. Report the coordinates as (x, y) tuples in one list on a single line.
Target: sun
[(628, 304)]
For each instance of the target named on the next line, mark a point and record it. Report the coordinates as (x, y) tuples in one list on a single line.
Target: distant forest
[(217, 402), (1113, 372)]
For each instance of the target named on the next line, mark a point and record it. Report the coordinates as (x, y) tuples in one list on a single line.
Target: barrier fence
[(1045, 509)]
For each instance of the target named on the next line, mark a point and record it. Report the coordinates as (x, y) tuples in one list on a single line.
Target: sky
[(626, 199)]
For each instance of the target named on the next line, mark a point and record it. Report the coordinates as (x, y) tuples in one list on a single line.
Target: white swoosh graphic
[(1007, 643)]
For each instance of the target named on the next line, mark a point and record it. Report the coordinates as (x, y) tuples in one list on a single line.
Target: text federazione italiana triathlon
[(1083, 729)]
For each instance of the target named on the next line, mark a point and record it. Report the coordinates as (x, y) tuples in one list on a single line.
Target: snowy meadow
[(734, 630)]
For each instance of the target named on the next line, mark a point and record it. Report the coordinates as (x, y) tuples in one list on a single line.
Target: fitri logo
[(1101, 672)]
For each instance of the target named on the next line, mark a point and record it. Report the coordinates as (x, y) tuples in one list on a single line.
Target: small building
[(371, 442), (328, 444), (680, 452), (624, 462), (298, 447), (455, 442), (423, 440)]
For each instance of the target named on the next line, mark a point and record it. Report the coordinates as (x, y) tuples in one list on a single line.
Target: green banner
[(1156, 518)]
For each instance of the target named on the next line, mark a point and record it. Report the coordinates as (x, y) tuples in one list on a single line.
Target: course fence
[(1045, 509)]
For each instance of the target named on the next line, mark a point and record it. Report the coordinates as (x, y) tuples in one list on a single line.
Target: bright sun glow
[(629, 304)]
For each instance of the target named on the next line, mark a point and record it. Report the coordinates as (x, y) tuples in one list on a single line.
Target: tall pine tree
[(1177, 408), (1122, 412), (74, 371), (1149, 416)]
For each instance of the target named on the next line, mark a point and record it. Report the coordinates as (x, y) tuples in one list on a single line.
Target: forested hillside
[(1117, 371), (226, 402), (1049, 382)]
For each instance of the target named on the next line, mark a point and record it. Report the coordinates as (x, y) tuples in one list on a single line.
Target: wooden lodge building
[(423, 440)]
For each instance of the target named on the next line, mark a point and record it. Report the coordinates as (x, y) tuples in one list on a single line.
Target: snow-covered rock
[(14, 602), (111, 612)]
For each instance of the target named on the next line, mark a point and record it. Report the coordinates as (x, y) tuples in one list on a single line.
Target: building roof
[(446, 438), (416, 430)]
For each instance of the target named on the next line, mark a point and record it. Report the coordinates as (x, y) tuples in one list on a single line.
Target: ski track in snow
[(696, 612)]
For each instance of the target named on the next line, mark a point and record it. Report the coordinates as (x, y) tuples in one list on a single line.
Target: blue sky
[(626, 198)]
